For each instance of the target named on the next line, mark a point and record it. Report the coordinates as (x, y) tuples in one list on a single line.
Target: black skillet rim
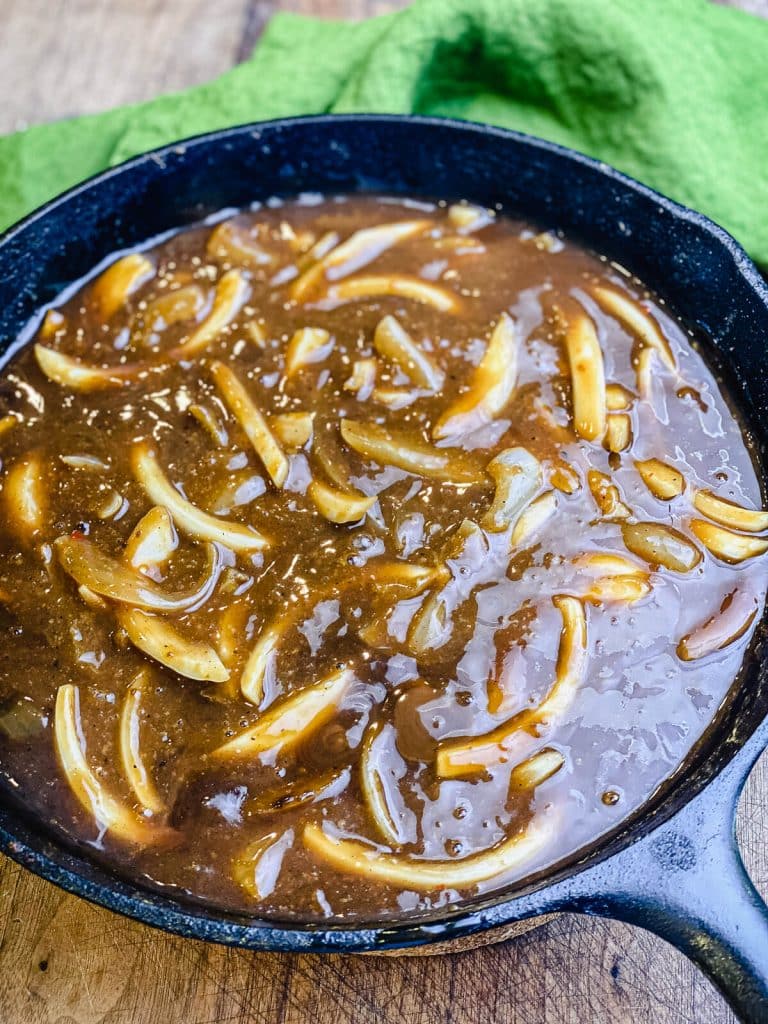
[(31, 844)]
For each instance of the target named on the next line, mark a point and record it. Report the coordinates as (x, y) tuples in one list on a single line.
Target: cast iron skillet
[(675, 867)]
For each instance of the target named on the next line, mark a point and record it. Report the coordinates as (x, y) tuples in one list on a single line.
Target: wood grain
[(63, 961)]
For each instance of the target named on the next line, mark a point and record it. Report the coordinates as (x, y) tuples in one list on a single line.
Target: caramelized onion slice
[(253, 422), (533, 518), (258, 867), (25, 495), (393, 342), (110, 577), (468, 217), (152, 541), (400, 448), (735, 616), (129, 739), (233, 243), (375, 794), (360, 249), (400, 285), (307, 345), (54, 322), (587, 377), (300, 793), (618, 432), (663, 481), (536, 769), (262, 655), (337, 505), (373, 864), (618, 398), (564, 478), (658, 544), (636, 319), (598, 563), (111, 289), (211, 422), (231, 292), (362, 379), (80, 376), (644, 373), (474, 754), (728, 513), (109, 814), (293, 429), (386, 572), (491, 388), (187, 517), (292, 720), (725, 544), (517, 474), (622, 589), (192, 659), (607, 496), (396, 398)]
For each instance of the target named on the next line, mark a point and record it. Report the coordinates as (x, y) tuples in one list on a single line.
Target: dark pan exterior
[(661, 868)]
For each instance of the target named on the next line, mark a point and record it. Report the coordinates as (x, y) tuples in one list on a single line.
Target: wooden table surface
[(63, 961)]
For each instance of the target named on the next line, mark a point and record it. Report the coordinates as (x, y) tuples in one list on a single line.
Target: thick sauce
[(338, 578)]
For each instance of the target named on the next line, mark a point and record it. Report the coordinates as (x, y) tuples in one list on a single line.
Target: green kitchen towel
[(674, 92)]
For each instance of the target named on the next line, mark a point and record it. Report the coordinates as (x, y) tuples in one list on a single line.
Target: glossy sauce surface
[(399, 626)]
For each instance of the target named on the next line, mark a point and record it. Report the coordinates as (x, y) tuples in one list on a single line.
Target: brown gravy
[(346, 575)]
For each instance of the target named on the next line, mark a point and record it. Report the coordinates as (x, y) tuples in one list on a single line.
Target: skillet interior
[(697, 268)]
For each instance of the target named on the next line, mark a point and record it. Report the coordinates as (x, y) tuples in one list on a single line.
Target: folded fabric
[(674, 92)]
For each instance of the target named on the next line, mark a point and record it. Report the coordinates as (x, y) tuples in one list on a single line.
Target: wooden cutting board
[(63, 961)]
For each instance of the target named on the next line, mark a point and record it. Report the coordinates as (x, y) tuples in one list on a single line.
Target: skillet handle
[(686, 882)]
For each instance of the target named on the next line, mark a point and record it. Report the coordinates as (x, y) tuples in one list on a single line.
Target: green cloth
[(674, 92)]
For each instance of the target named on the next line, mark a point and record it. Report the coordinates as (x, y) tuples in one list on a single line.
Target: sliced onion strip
[(393, 342), (152, 541), (663, 481), (398, 448), (536, 769), (475, 754), (25, 495), (193, 659), (337, 505), (585, 358), (607, 496), (293, 429), (187, 517), (307, 346), (729, 513), (292, 720), (375, 796), (491, 388), (734, 617), (725, 544), (110, 815), (637, 320), (517, 475), (231, 292), (399, 285), (253, 422), (658, 544), (129, 736), (374, 865), (110, 577), (117, 283), (533, 518), (357, 251)]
